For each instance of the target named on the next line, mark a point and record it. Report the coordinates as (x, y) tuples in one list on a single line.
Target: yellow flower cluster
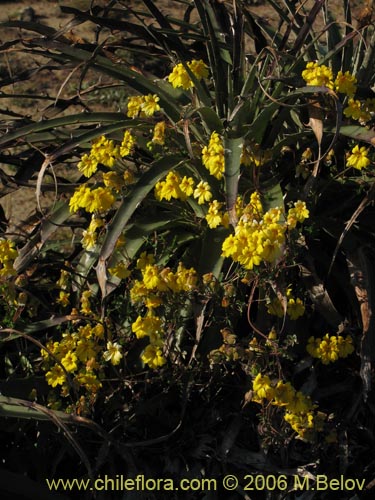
[(330, 348), (298, 213), (149, 291), (294, 306), (216, 216), (174, 187), (318, 75), (344, 83), (213, 156), (100, 199), (300, 411), (322, 76), (156, 280), (360, 110), (143, 105), (89, 235), (151, 326), (180, 77), (159, 133), (105, 152), (78, 353), (358, 158), (260, 237), (8, 254)]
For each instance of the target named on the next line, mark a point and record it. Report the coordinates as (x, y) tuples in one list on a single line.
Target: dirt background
[(19, 205)]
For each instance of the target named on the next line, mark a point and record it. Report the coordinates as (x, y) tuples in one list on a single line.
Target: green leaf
[(358, 133), (211, 260), (47, 227), (211, 119), (232, 155), (55, 123)]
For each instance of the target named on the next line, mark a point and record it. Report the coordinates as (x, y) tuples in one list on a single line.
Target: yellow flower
[(63, 298), (144, 260), (356, 111), (87, 165), (358, 159), (214, 215), (198, 68), (213, 156), (284, 393), (113, 353), (187, 185), (169, 188), (150, 104), (120, 270), (159, 133), (346, 83), (55, 376), (321, 76), (86, 349), (134, 106), (345, 346), (180, 77), (149, 326), (127, 144), (202, 192), (153, 356), (295, 308), (97, 200), (89, 380), (69, 361), (262, 387), (85, 302)]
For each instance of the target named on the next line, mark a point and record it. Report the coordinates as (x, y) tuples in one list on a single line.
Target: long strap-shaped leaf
[(134, 79), (129, 205), (232, 155), (54, 123)]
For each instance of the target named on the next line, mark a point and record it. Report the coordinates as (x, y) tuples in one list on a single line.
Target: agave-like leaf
[(47, 227), (232, 157), (56, 123), (358, 133)]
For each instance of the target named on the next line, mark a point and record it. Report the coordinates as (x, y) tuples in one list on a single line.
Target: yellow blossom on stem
[(159, 133), (357, 111), (346, 83), (213, 156), (150, 104), (295, 308), (262, 387), (318, 75), (202, 192), (214, 215), (55, 376), (134, 106), (69, 361), (153, 356), (187, 186), (358, 158), (127, 144), (113, 353), (180, 77), (149, 326)]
